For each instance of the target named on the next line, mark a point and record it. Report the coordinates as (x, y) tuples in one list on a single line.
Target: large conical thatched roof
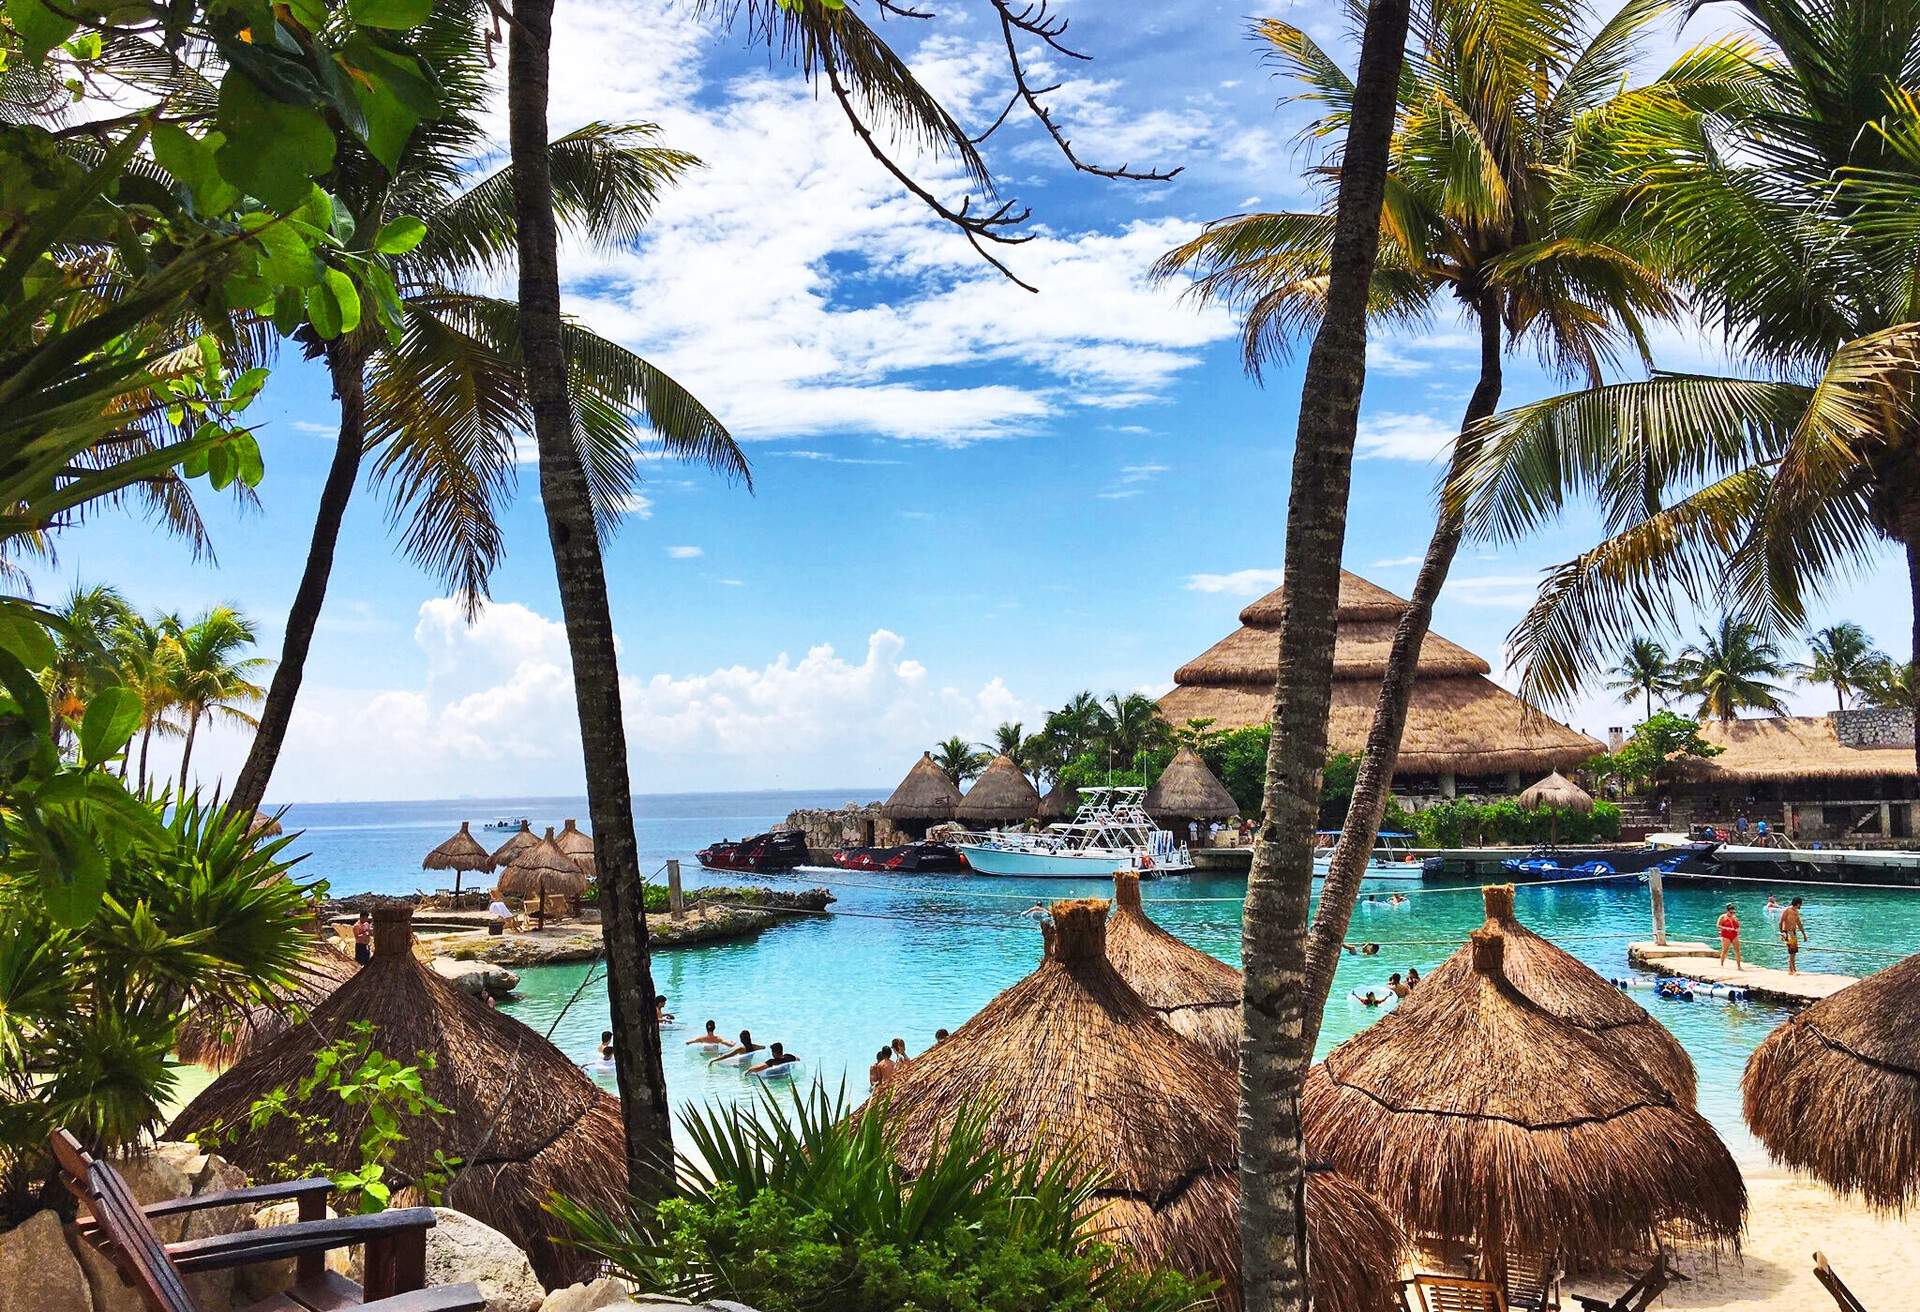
[(218, 1036), (524, 1118), (1001, 795), (1196, 993), (541, 868), (1477, 1115), (1556, 790), (925, 794), (1187, 789), (522, 837), (1061, 802), (1070, 1056), (576, 847), (461, 852), (1460, 721), (1559, 982), (1836, 1090)]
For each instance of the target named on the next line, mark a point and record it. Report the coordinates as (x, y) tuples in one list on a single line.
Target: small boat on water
[(1391, 858), (1603, 862), (1818, 865), (504, 822), (769, 853), (1111, 831), (904, 858)]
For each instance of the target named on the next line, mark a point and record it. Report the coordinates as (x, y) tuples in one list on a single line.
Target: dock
[(1696, 961)]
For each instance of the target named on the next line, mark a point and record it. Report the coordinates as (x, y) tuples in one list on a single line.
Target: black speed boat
[(770, 853), (904, 858)]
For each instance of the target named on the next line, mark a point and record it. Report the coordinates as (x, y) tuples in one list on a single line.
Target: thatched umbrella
[(1070, 1056), (218, 1036), (1836, 1090), (1062, 802), (539, 869), (925, 797), (1560, 793), (1196, 993), (459, 854), (523, 1118), (576, 847), (264, 825), (1188, 790), (1556, 981), (1481, 1117), (522, 837), (1001, 795)]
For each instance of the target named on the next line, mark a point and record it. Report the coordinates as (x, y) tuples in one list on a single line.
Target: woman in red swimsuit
[(1730, 937)]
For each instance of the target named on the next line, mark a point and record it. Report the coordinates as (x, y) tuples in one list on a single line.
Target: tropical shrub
[(795, 1206), (1459, 822), (1656, 742)]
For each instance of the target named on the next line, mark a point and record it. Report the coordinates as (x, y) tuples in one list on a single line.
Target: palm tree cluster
[(1731, 668), (184, 672)]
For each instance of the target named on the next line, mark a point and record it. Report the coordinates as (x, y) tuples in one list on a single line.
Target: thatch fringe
[(218, 1036), (1196, 993), (1836, 1090), (925, 794), (1556, 790), (1790, 749), (1188, 790), (1001, 795), (461, 852), (541, 868), (577, 847), (522, 837)]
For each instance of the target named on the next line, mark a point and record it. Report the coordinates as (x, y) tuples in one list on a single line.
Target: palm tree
[(150, 656), (1127, 726), (959, 760), (443, 409), (1892, 685), (1491, 114), (211, 674), (1843, 657), (1644, 669), (1784, 194), (1728, 669), (85, 651), (1010, 740)]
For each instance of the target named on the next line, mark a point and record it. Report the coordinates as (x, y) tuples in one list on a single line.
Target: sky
[(968, 503)]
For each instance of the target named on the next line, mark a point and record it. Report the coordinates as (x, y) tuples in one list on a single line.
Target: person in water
[(939, 1037), (1398, 985), (1413, 978), (1369, 998), (1792, 930), (882, 1069), (1773, 905), (1369, 949), (1729, 925), (708, 1039), (606, 1045), (746, 1047), (900, 1058), (661, 1015), (778, 1056), (1397, 900)]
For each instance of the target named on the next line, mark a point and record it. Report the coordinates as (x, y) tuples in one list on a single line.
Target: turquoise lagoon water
[(908, 955)]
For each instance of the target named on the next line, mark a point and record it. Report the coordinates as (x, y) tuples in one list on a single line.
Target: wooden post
[(676, 900), (1658, 890)]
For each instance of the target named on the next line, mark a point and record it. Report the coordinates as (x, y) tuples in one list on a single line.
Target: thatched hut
[(1836, 1090), (1196, 993), (1558, 982), (218, 1036), (263, 825), (925, 797), (461, 853), (1062, 802), (522, 837), (1480, 1117), (1070, 1055), (1840, 775), (1002, 795), (577, 847), (1461, 725), (524, 1120), (540, 870), (1188, 790), (1556, 790)]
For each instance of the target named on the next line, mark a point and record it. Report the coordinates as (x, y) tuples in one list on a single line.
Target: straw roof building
[(522, 837), (539, 869), (218, 1036), (1060, 803), (1460, 723), (1839, 774), (525, 1120), (1478, 1116), (577, 847), (1836, 1090), (1196, 993), (1001, 795), (925, 797), (1188, 790), (1558, 982), (1070, 1055)]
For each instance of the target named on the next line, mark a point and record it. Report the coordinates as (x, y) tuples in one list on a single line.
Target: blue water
[(908, 955)]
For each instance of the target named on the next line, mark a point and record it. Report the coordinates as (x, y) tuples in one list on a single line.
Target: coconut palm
[(1892, 685), (1128, 726), (212, 675), (1011, 741), (1785, 196), (959, 760), (86, 654), (1843, 658), (442, 410), (1728, 669), (149, 660), (1646, 670), (1494, 104)]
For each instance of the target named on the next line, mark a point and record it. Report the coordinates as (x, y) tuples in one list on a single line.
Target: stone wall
[(853, 825), (1887, 726)]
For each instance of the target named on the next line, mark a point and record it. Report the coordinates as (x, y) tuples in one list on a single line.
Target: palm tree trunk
[(581, 575), (347, 366), (1374, 778), (1912, 544), (186, 752), (1275, 1051), (146, 739), (1649, 701)]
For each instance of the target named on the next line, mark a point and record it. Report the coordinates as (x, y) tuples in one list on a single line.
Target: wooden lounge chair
[(1429, 1292), (1533, 1282), (396, 1245), (1638, 1296), (1834, 1285)]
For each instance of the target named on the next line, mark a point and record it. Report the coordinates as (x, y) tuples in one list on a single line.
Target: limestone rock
[(477, 977), (602, 1293), (215, 1289), (460, 1249), (38, 1271), (190, 1158)]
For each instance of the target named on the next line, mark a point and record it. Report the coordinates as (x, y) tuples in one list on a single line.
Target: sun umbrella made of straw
[(540, 869), (1198, 994), (577, 847), (521, 837), (1560, 793), (459, 854), (217, 1035), (1836, 1090), (1478, 1116)]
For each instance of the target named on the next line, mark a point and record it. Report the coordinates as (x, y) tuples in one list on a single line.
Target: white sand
[(1788, 1218)]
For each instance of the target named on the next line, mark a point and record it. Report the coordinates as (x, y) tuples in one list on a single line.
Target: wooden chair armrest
[(87, 1227), (246, 1247), (446, 1298)]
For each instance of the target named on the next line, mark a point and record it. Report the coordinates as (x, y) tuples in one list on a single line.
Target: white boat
[(1111, 831), (1391, 858)]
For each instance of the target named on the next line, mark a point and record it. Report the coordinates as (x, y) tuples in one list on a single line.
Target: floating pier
[(1696, 961)]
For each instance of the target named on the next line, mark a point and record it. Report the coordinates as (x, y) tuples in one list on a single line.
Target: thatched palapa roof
[(1070, 1057), (541, 868), (267, 826), (1001, 795), (1556, 790), (1558, 982), (1477, 1115), (1061, 802), (217, 1036), (461, 852), (1836, 1090), (1188, 790), (925, 794), (1196, 993), (525, 1120), (576, 847), (1787, 749), (1459, 722), (522, 837)]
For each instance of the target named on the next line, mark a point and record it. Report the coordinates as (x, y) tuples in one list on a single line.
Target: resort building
[(1843, 775), (1465, 733)]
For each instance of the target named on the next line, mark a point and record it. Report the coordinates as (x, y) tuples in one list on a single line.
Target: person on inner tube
[(780, 1057), (740, 1049)]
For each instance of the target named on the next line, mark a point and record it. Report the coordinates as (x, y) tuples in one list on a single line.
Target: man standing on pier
[(1792, 930)]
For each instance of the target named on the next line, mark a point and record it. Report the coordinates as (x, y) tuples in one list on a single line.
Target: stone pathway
[(1696, 961)]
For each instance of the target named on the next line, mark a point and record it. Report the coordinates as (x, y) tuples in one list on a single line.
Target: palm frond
[(1300, 57)]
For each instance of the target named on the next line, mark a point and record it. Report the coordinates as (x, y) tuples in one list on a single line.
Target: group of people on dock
[(1792, 928)]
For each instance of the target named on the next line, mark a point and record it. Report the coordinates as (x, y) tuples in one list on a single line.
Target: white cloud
[(1240, 583), (1130, 480), (686, 553), (1497, 591), (731, 583), (637, 504), (1396, 562), (831, 458), (313, 429), (1404, 437)]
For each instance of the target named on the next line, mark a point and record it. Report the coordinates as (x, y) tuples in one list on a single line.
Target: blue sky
[(969, 502)]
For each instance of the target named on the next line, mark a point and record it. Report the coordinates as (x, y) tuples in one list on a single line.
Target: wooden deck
[(1695, 961)]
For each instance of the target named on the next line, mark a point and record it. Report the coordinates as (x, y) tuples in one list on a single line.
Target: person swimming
[(1398, 985), (1397, 900), (1369, 998), (1413, 977), (661, 1016), (606, 1045), (778, 1057), (882, 1069), (1369, 949), (741, 1053), (939, 1037), (708, 1039)]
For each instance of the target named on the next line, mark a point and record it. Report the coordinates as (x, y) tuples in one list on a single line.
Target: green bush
[(799, 1208), (1463, 823)]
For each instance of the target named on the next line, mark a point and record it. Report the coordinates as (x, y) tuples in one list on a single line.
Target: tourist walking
[(1740, 826), (1792, 930), (363, 939), (1730, 936)]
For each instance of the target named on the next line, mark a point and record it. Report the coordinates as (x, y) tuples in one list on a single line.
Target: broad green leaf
[(345, 297), (190, 160), (249, 466), (273, 150), (323, 311), (39, 28), (73, 878), (398, 15), (400, 235), (289, 261), (222, 467), (111, 717), (30, 642)]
